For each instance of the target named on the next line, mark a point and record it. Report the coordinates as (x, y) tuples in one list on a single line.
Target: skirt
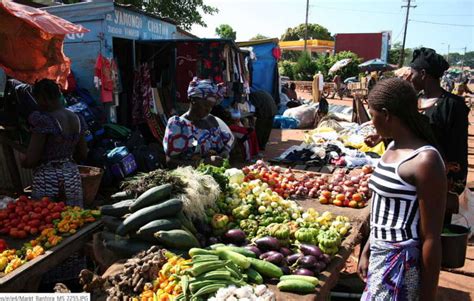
[(59, 180), (394, 271)]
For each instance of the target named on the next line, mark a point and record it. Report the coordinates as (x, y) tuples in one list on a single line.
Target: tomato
[(49, 226), (56, 215), (44, 212), (41, 228), (25, 218), (4, 231), (51, 206), (28, 208), (27, 228), (38, 210), (11, 206), (48, 219), (21, 225), (57, 209), (13, 232), (3, 215), (61, 204), (33, 231), (22, 234), (34, 215), (357, 197), (15, 221), (23, 198), (34, 223)]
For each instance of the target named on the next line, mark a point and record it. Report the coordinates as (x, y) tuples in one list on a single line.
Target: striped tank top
[(395, 214)]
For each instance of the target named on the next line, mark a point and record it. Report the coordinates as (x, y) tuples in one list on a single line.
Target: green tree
[(185, 12), (324, 63), (394, 54), (305, 68), (315, 31), (225, 31), (259, 37)]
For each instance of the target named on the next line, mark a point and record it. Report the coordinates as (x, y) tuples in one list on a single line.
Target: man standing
[(317, 86), (265, 111)]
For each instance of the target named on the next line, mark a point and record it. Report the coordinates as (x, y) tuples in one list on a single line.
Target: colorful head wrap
[(203, 88), (428, 59)]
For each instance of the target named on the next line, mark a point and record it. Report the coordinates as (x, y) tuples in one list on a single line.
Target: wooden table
[(26, 278), (329, 277)]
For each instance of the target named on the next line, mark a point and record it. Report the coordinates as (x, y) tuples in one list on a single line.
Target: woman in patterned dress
[(401, 260), (57, 139), (197, 135)]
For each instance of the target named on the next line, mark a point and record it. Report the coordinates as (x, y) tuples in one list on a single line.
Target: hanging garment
[(105, 73), (186, 68)]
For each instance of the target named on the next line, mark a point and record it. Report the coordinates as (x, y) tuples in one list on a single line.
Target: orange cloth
[(31, 43)]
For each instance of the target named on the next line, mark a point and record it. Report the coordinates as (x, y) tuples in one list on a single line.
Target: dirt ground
[(453, 285)]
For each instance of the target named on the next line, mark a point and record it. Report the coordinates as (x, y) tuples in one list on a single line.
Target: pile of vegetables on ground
[(50, 222), (254, 232)]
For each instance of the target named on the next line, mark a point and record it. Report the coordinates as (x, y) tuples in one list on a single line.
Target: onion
[(349, 189), (337, 188), (355, 179), (348, 183), (364, 189)]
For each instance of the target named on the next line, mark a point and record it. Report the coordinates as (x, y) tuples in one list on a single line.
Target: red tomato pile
[(26, 216), (339, 189)]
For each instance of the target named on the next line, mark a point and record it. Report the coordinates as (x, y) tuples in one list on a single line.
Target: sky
[(272, 17)]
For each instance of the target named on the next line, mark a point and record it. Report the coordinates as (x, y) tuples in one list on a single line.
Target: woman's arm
[(431, 186), (81, 150), (35, 149), (363, 265)]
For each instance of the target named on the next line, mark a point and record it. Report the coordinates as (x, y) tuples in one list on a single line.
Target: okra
[(209, 289), (198, 251), (216, 275), (184, 286), (201, 257), (196, 285)]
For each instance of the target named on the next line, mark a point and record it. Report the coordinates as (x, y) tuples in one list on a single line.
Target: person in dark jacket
[(448, 115), (265, 111)]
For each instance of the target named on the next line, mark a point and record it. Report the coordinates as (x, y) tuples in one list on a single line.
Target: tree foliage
[(225, 31), (394, 54), (259, 37), (457, 59), (185, 12), (315, 31)]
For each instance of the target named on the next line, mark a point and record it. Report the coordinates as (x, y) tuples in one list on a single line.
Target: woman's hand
[(373, 140), (214, 160), (363, 266)]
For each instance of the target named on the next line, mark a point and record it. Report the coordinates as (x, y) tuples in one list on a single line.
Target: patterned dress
[(184, 140), (58, 176)]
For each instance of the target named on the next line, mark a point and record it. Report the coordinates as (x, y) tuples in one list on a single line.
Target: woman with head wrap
[(197, 135), (448, 115)]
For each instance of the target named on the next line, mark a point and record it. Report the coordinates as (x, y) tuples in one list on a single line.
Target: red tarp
[(31, 43)]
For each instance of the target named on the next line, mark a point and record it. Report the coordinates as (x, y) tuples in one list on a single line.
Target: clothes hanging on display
[(186, 68), (106, 75)]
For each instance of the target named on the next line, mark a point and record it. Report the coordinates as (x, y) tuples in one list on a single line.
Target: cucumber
[(179, 239), (152, 196), (296, 286), (310, 279), (144, 216), (161, 224), (111, 223), (186, 222), (254, 276), (266, 268), (238, 259), (118, 209), (243, 251), (121, 195), (127, 247)]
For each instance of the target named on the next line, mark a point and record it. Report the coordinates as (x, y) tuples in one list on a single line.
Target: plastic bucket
[(454, 246)]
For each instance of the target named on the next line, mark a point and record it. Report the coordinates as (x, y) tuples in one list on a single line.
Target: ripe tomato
[(44, 212), (21, 225), (57, 209), (34, 223), (27, 228), (357, 197), (23, 198), (28, 208), (340, 197), (38, 210), (61, 204), (41, 228), (25, 218), (45, 199), (33, 231), (13, 232), (48, 219), (50, 206), (3, 215), (22, 234), (56, 215), (15, 221), (11, 206), (49, 226)]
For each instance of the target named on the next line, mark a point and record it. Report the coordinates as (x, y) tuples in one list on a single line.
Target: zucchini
[(310, 279), (148, 214), (186, 222), (111, 223), (254, 276), (152, 196), (238, 259), (118, 209), (296, 286), (161, 224), (121, 195), (243, 251), (177, 238), (266, 268)]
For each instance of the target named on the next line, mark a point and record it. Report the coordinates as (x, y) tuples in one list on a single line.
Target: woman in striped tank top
[(401, 260)]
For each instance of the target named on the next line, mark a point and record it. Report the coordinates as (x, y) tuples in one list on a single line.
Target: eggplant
[(293, 258), (302, 271), (310, 250), (213, 240), (285, 270), (267, 254), (308, 261), (275, 258), (254, 249), (285, 251), (322, 265), (268, 243), (326, 258), (235, 236)]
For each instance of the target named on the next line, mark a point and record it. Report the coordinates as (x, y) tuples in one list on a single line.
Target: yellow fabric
[(378, 149)]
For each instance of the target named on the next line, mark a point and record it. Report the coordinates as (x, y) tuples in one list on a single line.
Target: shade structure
[(339, 65), (375, 65), (31, 43)]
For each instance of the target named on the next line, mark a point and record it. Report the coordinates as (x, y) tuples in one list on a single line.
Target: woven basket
[(91, 178)]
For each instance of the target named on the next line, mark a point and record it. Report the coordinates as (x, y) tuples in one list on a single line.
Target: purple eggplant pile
[(303, 259)]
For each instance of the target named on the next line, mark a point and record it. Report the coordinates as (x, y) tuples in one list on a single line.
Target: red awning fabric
[(31, 43)]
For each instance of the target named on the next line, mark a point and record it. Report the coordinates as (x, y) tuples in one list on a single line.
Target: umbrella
[(31, 43), (339, 65), (375, 65)]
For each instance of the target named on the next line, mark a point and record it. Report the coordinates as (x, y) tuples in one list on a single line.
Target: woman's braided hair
[(399, 98), (47, 89)]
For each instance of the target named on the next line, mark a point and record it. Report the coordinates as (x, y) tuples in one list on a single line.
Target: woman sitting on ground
[(197, 135)]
